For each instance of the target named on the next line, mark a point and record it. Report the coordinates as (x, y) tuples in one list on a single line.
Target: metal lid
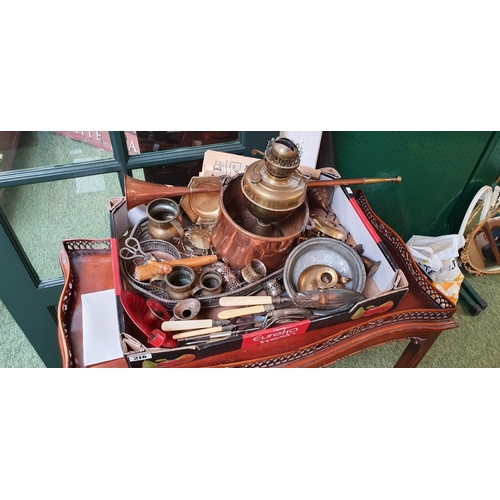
[(282, 156)]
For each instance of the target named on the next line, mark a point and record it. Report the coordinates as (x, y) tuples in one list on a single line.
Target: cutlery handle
[(234, 313), (253, 300), (196, 333), (191, 324)]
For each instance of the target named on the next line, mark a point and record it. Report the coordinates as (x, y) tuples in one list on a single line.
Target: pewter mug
[(179, 282), (210, 283)]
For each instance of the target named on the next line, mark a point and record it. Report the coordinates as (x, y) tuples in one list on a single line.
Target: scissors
[(132, 250)]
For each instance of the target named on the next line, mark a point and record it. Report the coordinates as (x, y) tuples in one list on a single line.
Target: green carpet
[(474, 344), (15, 349)]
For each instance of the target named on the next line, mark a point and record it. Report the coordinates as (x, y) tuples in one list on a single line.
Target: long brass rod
[(138, 192), (348, 182)]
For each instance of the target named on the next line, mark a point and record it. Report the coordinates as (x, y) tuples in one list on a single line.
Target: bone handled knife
[(252, 300), (195, 333), (191, 324), (244, 311)]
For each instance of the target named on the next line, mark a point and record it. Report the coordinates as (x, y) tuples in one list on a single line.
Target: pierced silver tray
[(146, 290)]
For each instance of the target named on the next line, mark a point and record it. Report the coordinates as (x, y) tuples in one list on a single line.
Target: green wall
[(436, 168)]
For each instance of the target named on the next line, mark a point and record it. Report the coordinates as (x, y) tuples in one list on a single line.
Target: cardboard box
[(383, 292)]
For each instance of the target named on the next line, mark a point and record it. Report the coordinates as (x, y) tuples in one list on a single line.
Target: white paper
[(309, 142), (385, 275), (101, 335), (216, 163)]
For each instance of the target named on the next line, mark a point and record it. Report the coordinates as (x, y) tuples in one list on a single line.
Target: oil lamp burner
[(273, 188)]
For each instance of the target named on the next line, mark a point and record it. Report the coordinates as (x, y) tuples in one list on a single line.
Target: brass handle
[(347, 182), (257, 152)]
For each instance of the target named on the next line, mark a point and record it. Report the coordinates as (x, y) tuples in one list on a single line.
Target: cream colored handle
[(191, 324), (195, 333), (253, 300), (234, 313)]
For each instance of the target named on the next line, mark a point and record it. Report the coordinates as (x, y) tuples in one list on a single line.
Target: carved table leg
[(415, 351)]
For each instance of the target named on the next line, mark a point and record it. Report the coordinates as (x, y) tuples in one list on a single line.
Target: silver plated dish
[(145, 289), (327, 252)]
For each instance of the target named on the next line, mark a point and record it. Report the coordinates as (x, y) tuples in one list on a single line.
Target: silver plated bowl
[(327, 252)]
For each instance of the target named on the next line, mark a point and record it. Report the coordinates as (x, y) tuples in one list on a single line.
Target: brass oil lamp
[(273, 188)]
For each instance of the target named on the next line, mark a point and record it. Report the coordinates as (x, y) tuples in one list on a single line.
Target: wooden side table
[(420, 317)]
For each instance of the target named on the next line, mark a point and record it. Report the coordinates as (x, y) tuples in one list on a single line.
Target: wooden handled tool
[(151, 268)]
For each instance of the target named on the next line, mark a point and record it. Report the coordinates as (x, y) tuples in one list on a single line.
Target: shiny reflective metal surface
[(254, 271), (321, 197), (320, 277), (233, 233), (201, 208), (164, 218), (326, 252), (187, 309), (329, 228), (273, 187)]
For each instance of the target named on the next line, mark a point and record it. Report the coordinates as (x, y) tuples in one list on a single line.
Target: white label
[(140, 357)]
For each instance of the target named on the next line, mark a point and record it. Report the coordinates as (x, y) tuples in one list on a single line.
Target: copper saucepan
[(238, 237)]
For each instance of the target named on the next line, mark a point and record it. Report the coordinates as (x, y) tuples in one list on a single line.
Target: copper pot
[(238, 236)]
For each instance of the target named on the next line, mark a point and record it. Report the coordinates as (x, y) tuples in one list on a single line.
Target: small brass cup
[(210, 283), (179, 282)]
